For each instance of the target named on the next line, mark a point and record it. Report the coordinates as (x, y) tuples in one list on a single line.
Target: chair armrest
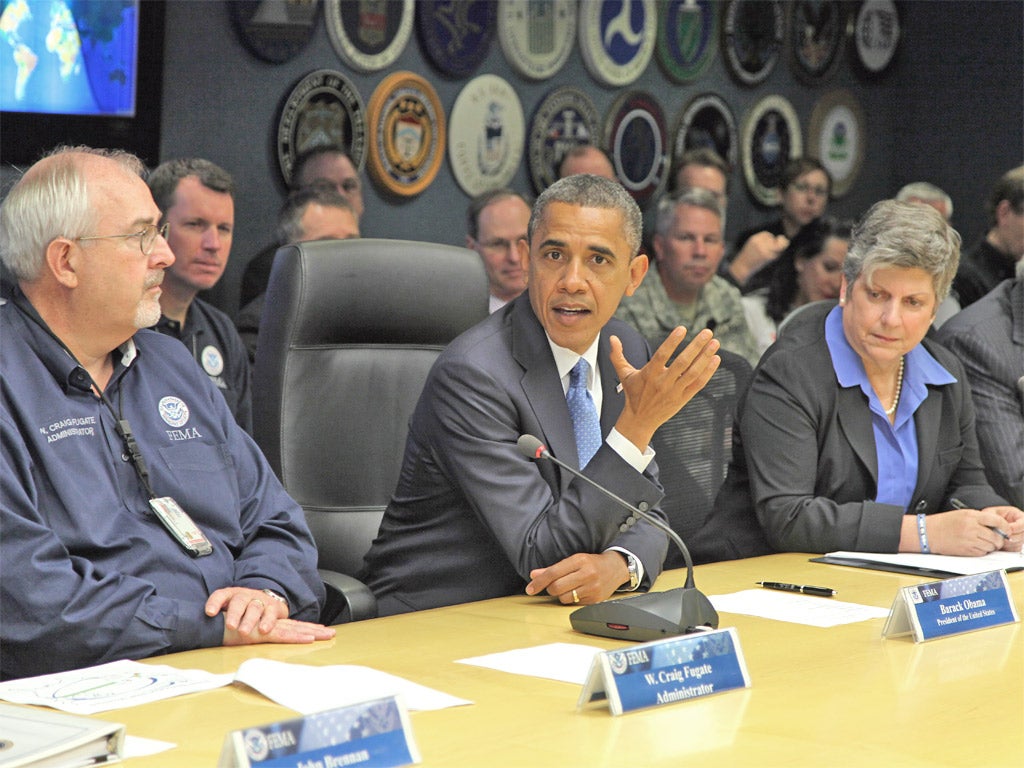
[(348, 599)]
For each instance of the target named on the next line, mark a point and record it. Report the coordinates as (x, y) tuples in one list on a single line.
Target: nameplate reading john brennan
[(951, 607), (667, 671)]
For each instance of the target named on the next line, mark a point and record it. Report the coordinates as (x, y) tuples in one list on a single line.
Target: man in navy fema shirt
[(102, 558), (197, 200)]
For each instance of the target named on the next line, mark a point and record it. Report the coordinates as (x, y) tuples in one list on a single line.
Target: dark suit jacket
[(988, 337), (806, 462), (471, 517)]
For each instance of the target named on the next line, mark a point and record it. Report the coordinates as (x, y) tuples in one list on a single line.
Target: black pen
[(804, 590), (957, 504)]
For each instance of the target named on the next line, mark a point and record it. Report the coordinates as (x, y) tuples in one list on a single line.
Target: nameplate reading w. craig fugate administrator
[(951, 607), (667, 671)]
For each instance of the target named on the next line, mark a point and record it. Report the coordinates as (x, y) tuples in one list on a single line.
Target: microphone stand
[(649, 616)]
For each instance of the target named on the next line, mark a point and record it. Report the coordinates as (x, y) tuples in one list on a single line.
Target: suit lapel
[(613, 401), (927, 419), (855, 421)]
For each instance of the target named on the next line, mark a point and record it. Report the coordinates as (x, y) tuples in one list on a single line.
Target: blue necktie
[(586, 424)]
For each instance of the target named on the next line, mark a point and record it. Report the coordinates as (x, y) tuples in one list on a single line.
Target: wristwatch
[(273, 594), (634, 572)]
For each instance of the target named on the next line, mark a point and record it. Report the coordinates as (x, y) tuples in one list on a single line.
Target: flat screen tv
[(80, 72)]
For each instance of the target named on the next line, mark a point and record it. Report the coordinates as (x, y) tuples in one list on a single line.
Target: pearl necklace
[(899, 390)]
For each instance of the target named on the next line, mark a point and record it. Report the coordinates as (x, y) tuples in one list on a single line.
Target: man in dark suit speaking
[(471, 517)]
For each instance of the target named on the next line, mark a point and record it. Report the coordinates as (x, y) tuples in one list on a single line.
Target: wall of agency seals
[(948, 108)]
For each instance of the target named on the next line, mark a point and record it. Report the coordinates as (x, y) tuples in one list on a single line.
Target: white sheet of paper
[(566, 662), (137, 746), (797, 609), (308, 689), (109, 686), (994, 561)]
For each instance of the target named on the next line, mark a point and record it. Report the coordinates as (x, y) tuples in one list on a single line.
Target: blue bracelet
[(922, 532)]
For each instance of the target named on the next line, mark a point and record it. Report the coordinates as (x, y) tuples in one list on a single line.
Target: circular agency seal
[(771, 137), (536, 37), (324, 108), (566, 118), (636, 134), (485, 135), (455, 35), (275, 32), (837, 134), (617, 39), (707, 122), (819, 31), (687, 38), (407, 134), (877, 33), (369, 36), (752, 36)]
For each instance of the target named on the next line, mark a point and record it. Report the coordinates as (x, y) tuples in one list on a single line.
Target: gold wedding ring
[(258, 602), (575, 596)]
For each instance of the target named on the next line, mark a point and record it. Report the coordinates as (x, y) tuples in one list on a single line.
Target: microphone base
[(651, 616)]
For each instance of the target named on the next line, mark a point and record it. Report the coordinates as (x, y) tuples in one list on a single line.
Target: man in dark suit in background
[(472, 518)]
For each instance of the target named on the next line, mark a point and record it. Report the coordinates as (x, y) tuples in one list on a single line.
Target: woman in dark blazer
[(857, 433)]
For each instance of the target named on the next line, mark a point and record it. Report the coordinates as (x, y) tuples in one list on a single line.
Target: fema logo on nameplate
[(407, 133), (837, 135), (324, 108), (566, 118), (687, 38), (617, 38), (771, 137), (369, 35), (636, 136), (455, 34), (536, 37), (707, 123), (274, 30), (485, 135)]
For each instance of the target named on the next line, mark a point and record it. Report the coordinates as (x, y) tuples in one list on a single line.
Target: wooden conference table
[(841, 696)]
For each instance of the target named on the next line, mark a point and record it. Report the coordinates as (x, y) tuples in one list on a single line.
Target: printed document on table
[(567, 662), (797, 609), (960, 566), (109, 686), (308, 689)]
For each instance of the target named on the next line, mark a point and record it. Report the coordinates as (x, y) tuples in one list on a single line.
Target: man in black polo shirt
[(197, 200)]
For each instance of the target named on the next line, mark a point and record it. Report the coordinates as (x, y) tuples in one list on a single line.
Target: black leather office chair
[(693, 450), (349, 332)]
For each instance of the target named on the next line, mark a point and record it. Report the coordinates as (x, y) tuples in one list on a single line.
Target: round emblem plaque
[(837, 136), (617, 38), (819, 32), (687, 38), (407, 134), (770, 139), (637, 138), (369, 36), (877, 33), (485, 135), (275, 31), (566, 118), (455, 34), (323, 108), (707, 122), (536, 37), (752, 36)]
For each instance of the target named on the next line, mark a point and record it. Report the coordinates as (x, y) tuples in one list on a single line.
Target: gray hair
[(52, 200), (695, 196), (588, 191), (926, 193), (289, 220), (163, 181), (907, 236)]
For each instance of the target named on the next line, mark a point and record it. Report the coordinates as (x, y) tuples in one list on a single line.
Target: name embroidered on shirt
[(76, 427), (176, 435)]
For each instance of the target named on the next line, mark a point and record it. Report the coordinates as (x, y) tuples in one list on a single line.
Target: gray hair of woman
[(904, 236), (589, 191)]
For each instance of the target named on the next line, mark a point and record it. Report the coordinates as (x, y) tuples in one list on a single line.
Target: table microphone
[(649, 616)]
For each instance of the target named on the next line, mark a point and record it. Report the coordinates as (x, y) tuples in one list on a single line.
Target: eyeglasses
[(803, 188), (147, 237)]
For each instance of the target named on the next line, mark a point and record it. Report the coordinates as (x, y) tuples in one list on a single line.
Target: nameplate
[(666, 671), (951, 607), (372, 733)]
